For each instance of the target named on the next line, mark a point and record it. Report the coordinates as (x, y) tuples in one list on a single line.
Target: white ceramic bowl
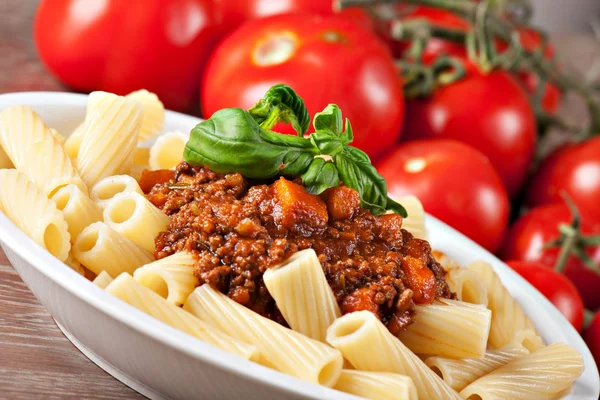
[(161, 362)]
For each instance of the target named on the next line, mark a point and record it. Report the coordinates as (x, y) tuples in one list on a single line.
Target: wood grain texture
[(36, 360)]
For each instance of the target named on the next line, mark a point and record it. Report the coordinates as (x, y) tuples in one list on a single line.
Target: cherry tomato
[(555, 287), (439, 17), (527, 236), (325, 59), (573, 169), (455, 183), (489, 112), (236, 12), (531, 40), (121, 46), (592, 338)]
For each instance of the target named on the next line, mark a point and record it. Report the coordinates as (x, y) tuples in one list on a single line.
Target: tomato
[(573, 169), (532, 41), (121, 46), (325, 59), (592, 337), (236, 12), (442, 18), (455, 183), (555, 287), (489, 112), (527, 236)]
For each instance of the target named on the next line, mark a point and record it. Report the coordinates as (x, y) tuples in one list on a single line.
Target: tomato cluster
[(465, 149)]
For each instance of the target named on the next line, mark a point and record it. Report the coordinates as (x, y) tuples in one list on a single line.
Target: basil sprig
[(234, 140)]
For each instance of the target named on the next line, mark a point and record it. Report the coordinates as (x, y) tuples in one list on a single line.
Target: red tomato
[(439, 17), (121, 46), (236, 12), (527, 236), (489, 112), (592, 338), (555, 287), (455, 183), (531, 41), (326, 60), (573, 169)]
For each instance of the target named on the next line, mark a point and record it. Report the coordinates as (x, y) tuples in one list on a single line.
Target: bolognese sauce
[(238, 228)]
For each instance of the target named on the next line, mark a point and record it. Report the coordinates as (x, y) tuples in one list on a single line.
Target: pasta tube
[(303, 295), (79, 210), (141, 156), (280, 348), (467, 286), (107, 188), (103, 280), (100, 248), (137, 170), (507, 315), (415, 222), (449, 328), (73, 142), (60, 139), (543, 374), (171, 277), (130, 291), (133, 216), (153, 113), (23, 134), (369, 346), (376, 385), (167, 151), (110, 136), (460, 373), (31, 211), (75, 265), (529, 339)]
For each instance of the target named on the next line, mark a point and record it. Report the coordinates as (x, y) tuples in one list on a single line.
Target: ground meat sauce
[(238, 228)]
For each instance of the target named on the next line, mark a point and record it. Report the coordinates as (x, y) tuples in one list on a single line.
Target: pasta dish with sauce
[(283, 250)]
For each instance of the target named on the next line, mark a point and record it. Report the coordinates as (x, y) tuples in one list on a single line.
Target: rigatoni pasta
[(449, 328), (100, 248), (303, 295), (369, 346), (153, 113), (79, 210), (171, 277), (415, 222), (376, 385), (133, 216), (102, 280), (23, 134), (104, 190), (110, 136), (458, 373), (33, 213), (167, 151), (507, 315), (467, 285), (543, 374), (280, 348), (73, 142), (132, 292)]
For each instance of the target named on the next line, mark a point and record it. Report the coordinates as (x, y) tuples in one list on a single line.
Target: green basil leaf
[(232, 141), (281, 104), (327, 143), (329, 120), (357, 172), (320, 176), (348, 134)]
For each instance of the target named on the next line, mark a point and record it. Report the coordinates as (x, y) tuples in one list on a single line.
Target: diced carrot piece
[(294, 205), (342, 202)]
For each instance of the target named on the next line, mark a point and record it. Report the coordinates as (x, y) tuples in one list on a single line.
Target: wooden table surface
[(36, 360)]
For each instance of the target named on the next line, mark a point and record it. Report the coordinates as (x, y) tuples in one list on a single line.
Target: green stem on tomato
[(481, 44)]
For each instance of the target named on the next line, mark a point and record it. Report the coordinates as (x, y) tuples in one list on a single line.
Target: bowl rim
[(68, 279)]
